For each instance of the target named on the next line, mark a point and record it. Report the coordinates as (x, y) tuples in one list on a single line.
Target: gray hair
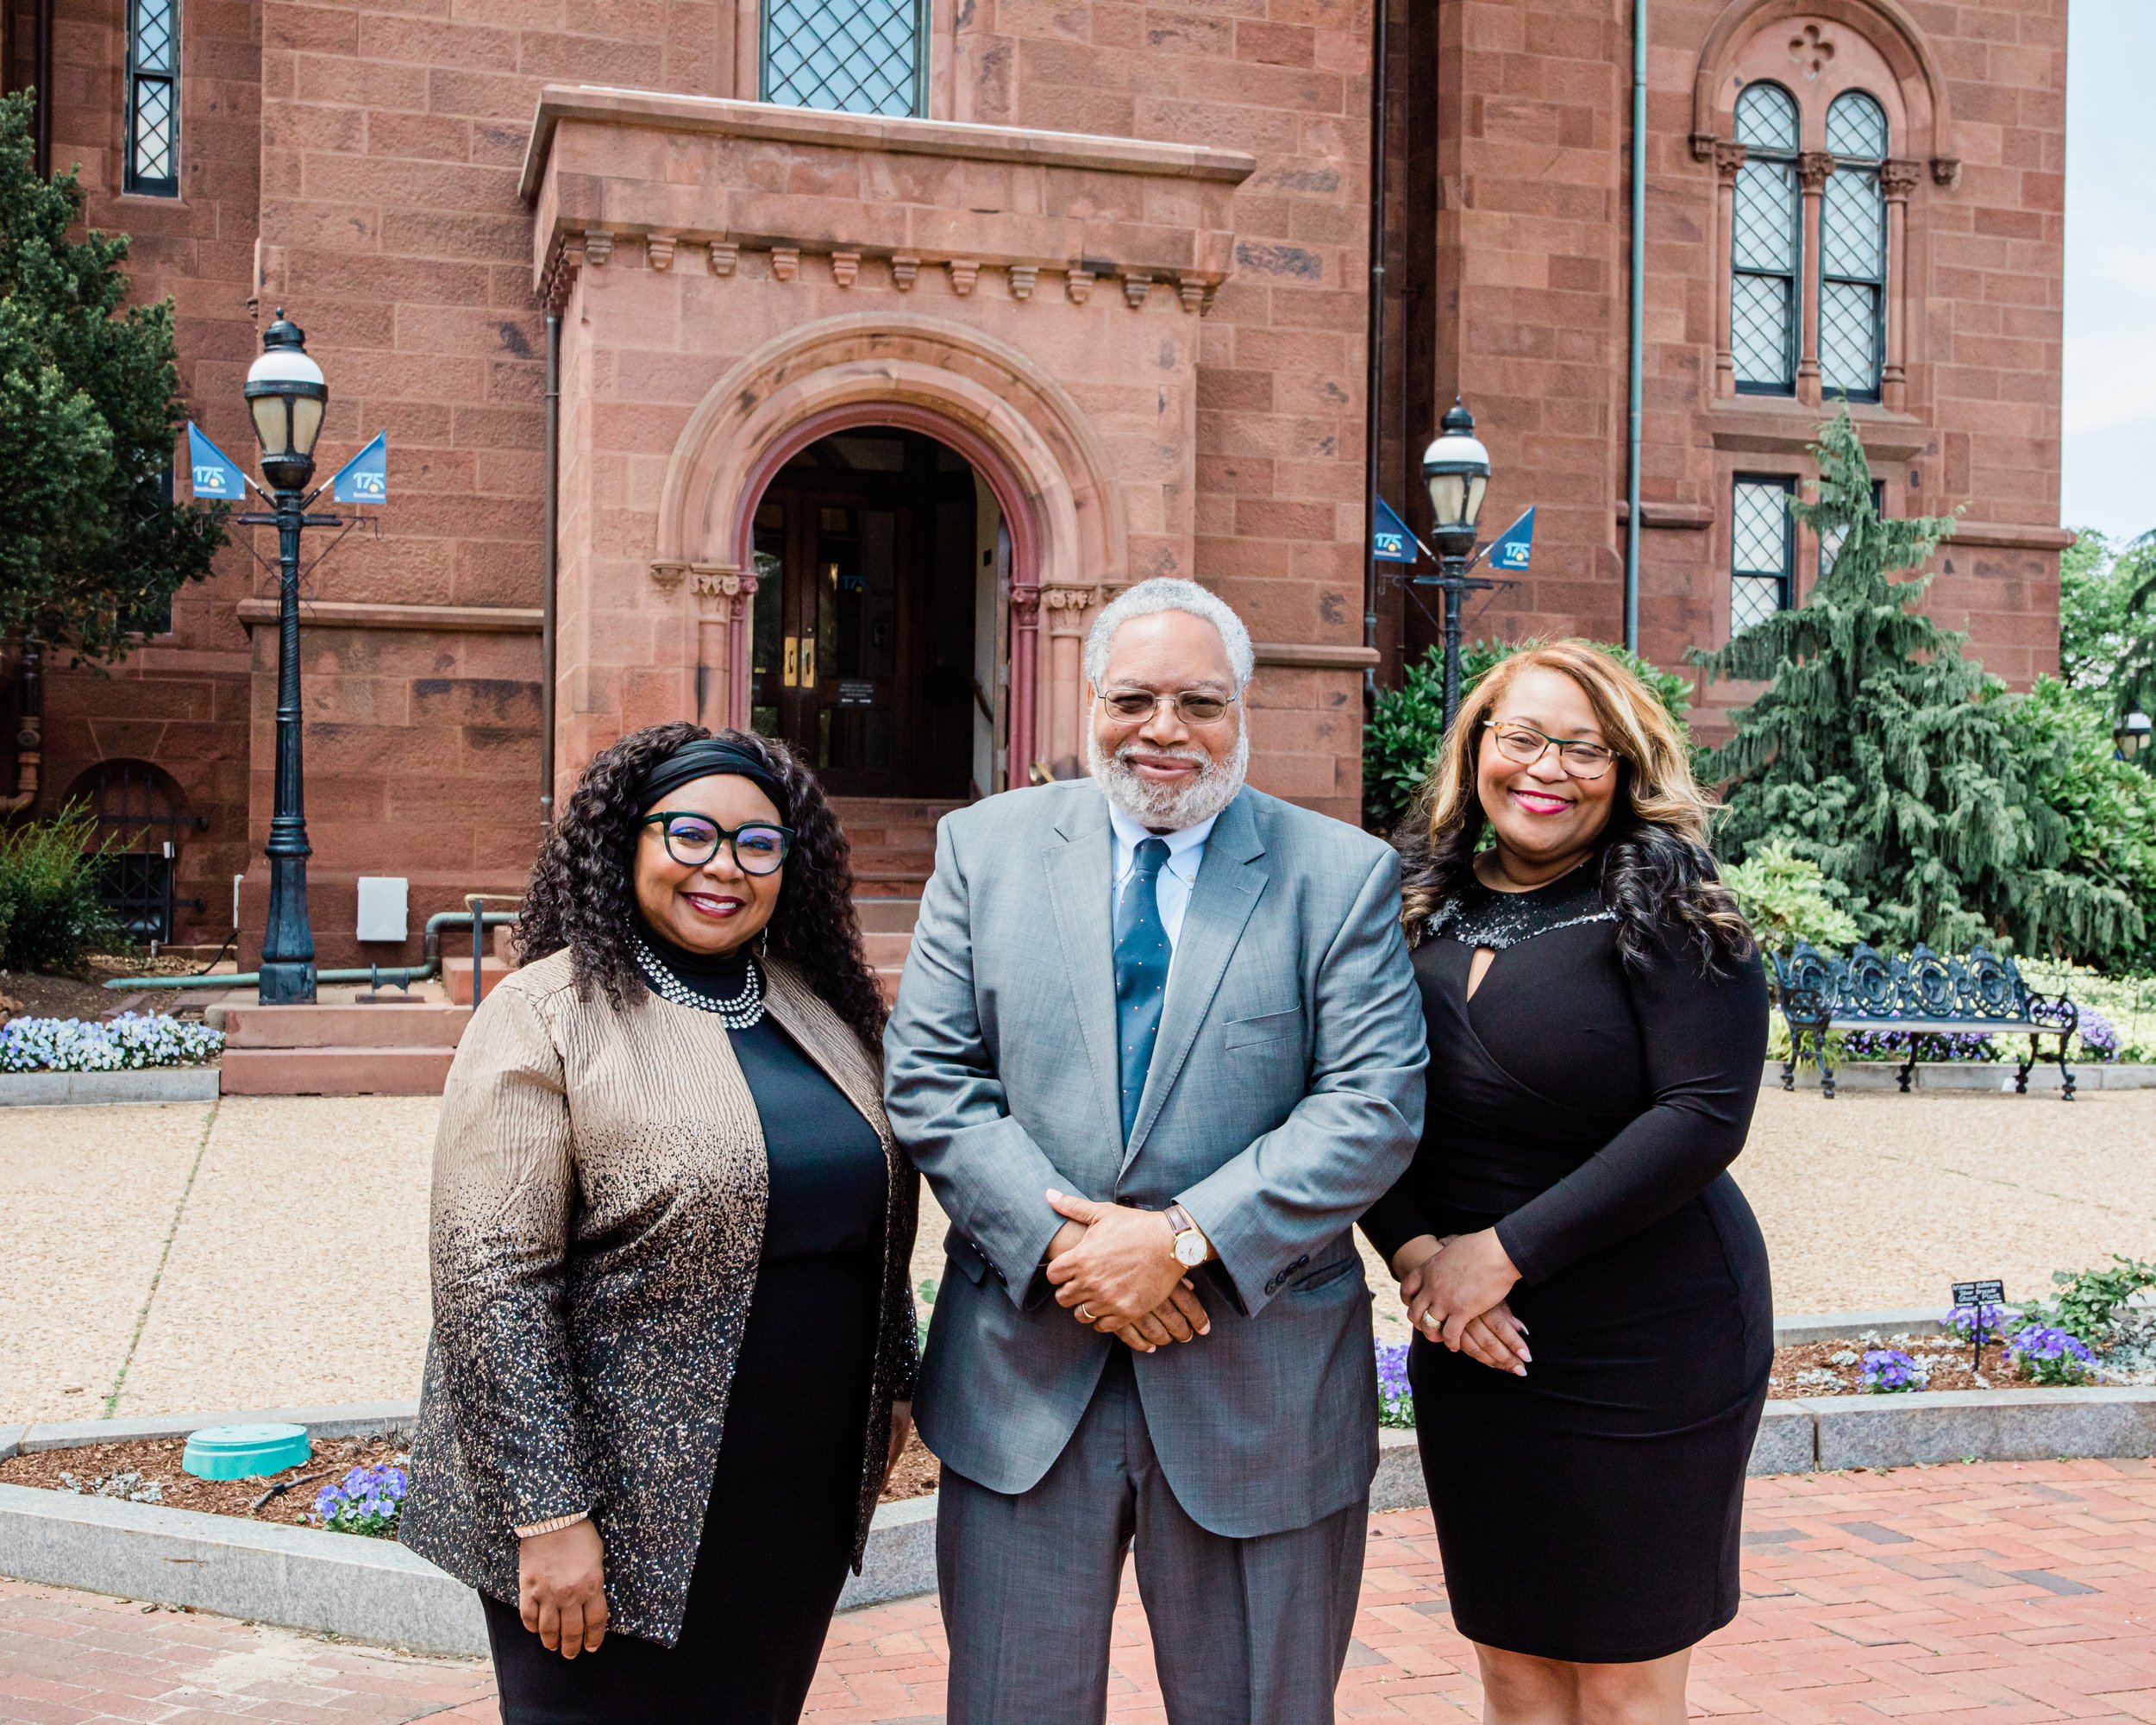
[(1163, 593)]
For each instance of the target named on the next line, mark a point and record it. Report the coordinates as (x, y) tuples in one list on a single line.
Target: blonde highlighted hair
[(1657, 873)]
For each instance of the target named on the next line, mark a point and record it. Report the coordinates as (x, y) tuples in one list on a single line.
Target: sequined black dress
[(1588, 1110), (778, 1527)]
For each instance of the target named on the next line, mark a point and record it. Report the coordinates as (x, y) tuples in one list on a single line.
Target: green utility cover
[(245, 1451)]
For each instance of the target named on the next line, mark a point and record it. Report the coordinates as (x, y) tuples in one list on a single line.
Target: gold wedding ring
[(1085, 1313)]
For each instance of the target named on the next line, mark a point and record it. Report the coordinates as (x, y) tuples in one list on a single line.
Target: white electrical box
[(383, 913)]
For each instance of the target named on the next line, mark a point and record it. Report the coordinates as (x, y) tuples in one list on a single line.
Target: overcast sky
[(2110, 479)]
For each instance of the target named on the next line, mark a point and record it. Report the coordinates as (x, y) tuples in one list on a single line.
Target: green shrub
[(1788, 898), (1407, 725), (50, 916)]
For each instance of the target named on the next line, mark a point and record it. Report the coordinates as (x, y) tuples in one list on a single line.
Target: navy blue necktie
[(1141, 953)]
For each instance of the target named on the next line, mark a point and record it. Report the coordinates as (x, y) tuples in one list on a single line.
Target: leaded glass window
[(1852, 250), (1765, 241), (1832, 539), (856, 56), (1762, 550), (153, 97)]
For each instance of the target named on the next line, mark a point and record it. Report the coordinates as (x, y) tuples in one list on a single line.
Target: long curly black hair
[(583, 892)]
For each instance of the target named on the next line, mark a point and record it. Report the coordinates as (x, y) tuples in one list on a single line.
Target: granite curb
[(376, 1590), (143, 1085)]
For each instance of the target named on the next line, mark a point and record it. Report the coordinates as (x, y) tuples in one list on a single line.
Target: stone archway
[(1022, 431)]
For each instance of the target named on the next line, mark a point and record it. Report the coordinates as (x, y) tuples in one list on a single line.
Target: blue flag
[(211, 472), (1390, 541), (365, 478), (1512, 548)]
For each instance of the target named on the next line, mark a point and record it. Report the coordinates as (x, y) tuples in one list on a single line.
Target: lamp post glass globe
[(285, 396), (2133, 734), (1456, 468)]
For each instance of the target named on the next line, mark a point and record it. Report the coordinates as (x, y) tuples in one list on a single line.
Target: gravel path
[(272, 1250)]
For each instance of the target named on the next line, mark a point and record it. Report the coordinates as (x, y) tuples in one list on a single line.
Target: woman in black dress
[(1587, 1286), (674, 1344)]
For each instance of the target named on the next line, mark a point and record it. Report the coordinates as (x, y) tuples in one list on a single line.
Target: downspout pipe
[(1636, 352), (550, 566), (1374, 384)]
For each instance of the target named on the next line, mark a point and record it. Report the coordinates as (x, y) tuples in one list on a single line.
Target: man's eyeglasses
[(1525, 744), (1193, 707), (759, 847)]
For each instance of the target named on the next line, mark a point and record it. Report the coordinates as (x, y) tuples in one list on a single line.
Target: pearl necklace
[(742, 1012)]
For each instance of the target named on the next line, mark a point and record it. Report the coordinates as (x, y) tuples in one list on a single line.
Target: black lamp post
[(2132, 734), (287, 395), (1456, 468)]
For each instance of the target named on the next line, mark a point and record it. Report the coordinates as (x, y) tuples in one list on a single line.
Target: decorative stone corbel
[(659, 251), (964, 272), (905, 267), (1946, 171), (1137, 284), (1702, 145), (1193, 292), (1078, 284), (1728, 159), (725, 255), (667, 574), (785, 262), (1023, 276), (599, 247), (845, 267)]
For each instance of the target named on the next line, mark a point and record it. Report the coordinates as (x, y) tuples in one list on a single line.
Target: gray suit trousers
[(1246, 1632)]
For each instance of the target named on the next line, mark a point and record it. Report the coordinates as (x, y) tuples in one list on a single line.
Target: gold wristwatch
[(1190, 1246)]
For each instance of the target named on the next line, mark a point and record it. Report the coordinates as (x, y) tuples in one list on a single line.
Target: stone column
[(721, 672), (1728, 160), (1070, 611), (1025, 627), (1813, 167), (1897, 179)]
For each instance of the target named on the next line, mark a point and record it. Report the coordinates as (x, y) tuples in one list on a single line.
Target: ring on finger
[(1431, 1321), (1085, 1313)]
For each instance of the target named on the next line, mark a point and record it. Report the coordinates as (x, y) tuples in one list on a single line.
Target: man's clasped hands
[(1113, 1269)]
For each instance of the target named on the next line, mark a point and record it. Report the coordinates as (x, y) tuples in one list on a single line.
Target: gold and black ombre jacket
[(600, 1192)]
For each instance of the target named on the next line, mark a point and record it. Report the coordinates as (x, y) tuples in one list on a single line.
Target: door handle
[(808, 661), (791, 676)]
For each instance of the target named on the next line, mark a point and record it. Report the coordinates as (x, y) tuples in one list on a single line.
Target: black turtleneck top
[(828, 1181)]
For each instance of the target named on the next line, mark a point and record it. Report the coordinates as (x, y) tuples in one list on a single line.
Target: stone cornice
[(772, 123), (1303, 656), (450, 619), (1763, 425), (2007, 535)]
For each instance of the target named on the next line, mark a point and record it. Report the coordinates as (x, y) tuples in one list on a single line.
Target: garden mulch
[(149, 1471), (1834, 1368)]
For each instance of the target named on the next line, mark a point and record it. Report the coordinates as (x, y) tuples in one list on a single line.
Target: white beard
[(1164, 808)]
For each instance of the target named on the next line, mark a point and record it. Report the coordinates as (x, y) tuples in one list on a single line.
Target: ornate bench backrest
[(1985, 986)]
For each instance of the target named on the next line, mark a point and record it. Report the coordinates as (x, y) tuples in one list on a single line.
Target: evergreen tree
[(1883, 753), (90, 546)]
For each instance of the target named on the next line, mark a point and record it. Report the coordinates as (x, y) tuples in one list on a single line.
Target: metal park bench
[(1982, 995)]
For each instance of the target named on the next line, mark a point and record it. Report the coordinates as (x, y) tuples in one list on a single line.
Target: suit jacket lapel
[(1079, 885), (1230, 881)]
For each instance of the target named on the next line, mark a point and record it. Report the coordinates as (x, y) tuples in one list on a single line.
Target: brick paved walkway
[(1999, 1593)]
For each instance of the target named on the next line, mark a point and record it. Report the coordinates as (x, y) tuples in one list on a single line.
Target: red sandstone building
[(859, 414)]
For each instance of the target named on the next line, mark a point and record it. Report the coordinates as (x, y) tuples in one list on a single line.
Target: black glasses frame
[(727, 837), (1559, 743)]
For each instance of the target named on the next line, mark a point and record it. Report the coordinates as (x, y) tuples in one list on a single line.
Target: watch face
[(1190, 1248)]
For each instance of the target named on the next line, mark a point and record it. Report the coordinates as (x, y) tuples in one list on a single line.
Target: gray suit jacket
[(1285, 1096)]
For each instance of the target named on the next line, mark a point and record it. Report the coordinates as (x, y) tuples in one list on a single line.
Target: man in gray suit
[(1156, 1048)]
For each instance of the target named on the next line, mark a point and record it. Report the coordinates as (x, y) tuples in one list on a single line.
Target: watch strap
[(1178, 1220)]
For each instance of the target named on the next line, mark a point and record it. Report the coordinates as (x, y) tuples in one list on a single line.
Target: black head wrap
[(702, 756)]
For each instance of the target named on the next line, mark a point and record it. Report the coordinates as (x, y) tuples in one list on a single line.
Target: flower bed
[(129, 1043)]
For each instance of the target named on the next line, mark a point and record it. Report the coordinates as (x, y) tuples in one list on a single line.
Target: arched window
[(1765, 243), (1853, 243)]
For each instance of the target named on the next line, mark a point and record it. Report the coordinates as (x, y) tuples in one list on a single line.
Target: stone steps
[(380, 1050)]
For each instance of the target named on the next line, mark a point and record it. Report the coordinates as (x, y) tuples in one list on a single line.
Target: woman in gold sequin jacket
[(673, 1342)]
